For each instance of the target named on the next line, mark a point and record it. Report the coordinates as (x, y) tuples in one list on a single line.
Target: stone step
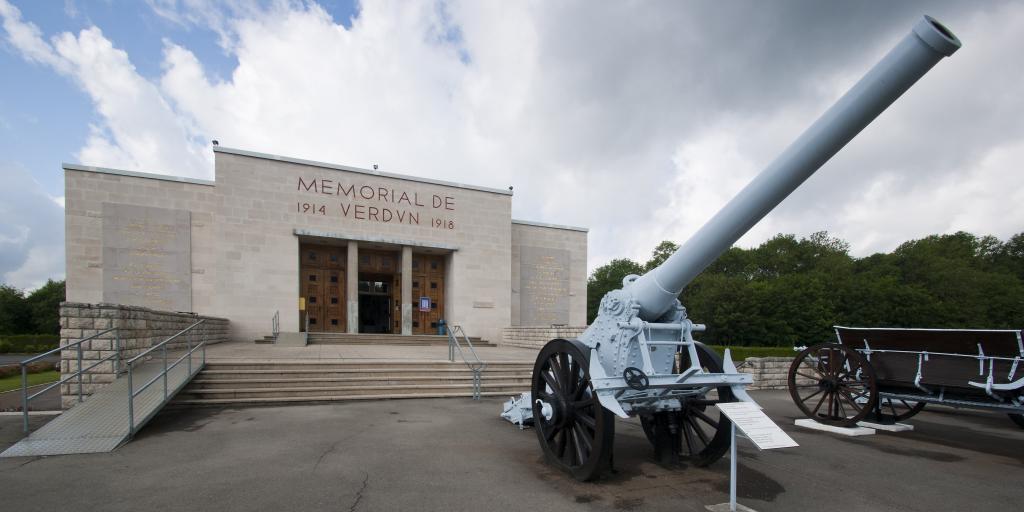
[(319, 338), (509, 388), (370, 374), (203, 383), (215, 402), (321, 365)]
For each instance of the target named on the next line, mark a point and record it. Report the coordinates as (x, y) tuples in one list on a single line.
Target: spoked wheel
[(1018, 419), (699, 433), (894, 410), (833, 384), (575, 431)]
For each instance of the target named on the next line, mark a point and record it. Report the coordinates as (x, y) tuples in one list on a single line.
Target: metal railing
[(276, 324), (162, 346), (25, 397), (477, 366)]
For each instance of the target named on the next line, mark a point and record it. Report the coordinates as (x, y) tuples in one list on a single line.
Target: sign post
[(760, 429)]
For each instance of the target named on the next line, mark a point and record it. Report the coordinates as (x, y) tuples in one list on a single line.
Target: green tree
[(605, 279), (791, 290), (44, 307), (15, 317), (660, 254)]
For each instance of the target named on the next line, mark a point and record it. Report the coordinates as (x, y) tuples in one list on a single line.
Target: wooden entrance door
[(427, 281), (322, 284)]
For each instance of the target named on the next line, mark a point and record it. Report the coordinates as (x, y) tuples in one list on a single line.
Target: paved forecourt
[(457, 454)]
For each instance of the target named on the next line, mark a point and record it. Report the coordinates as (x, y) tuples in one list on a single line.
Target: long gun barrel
[(925, 46)]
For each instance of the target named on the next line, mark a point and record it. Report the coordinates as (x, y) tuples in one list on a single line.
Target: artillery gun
[(639, 357)]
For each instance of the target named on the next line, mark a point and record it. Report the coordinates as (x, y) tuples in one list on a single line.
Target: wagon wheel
[(889, 410), (574, 430), (836, 384), (1018, 419), (703, 432)]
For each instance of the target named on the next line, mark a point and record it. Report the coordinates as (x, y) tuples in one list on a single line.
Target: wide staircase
[(279, 382), (415, 340)]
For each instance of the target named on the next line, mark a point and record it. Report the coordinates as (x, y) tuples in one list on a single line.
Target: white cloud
[(138, 129), (32, 231), (636, 121)]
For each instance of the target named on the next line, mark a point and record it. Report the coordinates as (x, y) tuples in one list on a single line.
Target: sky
[(638, 120)]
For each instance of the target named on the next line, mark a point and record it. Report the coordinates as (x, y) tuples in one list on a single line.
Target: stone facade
[(536, 337), (138, 328), (549, 275), (770, 372), (246, 227)]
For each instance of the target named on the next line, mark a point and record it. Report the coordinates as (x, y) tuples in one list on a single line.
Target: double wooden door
[(322, 284), (427, 283)]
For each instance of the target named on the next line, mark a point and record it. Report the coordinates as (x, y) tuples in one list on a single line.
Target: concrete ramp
[(100, 423)]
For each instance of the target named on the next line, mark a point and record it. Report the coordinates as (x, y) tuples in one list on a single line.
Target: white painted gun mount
[(639, 357)]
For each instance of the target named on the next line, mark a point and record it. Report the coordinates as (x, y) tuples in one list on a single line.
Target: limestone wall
[(549, 274), (769, 372), (537, 336), (138, 328)]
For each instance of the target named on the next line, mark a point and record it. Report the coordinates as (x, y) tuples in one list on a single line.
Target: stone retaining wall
[(537, 336), (138, 328), (770, 372)]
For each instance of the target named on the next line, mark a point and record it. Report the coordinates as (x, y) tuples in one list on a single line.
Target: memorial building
[(337, 248)]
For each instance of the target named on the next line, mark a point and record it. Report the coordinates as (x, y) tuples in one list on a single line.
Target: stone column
[(406, 290), (352, 287)]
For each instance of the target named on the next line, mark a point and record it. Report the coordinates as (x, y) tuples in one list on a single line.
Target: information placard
[(756, 425)]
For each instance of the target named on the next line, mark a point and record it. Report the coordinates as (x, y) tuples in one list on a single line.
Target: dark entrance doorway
[(375, 296)]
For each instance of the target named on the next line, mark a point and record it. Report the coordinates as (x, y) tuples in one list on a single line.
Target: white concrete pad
[(291, 339), (895, 427), (843, 431), (724, 507)]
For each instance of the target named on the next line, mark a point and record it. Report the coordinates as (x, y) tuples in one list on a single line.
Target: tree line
[(37, 312), (791, 291)]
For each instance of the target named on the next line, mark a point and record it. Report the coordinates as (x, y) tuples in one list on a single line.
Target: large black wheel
[(699, 432), (833, 384), (1018, 419), (574, 431), (894, 410)]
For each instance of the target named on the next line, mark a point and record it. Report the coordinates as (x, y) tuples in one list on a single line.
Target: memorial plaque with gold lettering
[(147, 257), (544, 286)]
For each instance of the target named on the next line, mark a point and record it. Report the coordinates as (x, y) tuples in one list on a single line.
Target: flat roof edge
[(375, 239), (135, 174), (338, 167), (546, 225)]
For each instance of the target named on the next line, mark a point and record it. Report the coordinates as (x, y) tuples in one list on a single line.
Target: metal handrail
[(477, 366), (25, 397), (307, 324), (190, 349)]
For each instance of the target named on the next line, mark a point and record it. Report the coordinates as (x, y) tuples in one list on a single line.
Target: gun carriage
[(889, 375), (639, 356)]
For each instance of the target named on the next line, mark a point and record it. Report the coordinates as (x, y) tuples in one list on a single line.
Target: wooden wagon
[(888, 375)]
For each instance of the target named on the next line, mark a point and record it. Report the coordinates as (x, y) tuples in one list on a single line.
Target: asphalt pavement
[(457, 454)]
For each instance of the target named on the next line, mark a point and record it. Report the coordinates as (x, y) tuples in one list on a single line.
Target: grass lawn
[(14, 381)]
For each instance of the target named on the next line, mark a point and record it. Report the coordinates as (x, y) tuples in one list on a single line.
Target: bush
[(36, 367), (28, 343)]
